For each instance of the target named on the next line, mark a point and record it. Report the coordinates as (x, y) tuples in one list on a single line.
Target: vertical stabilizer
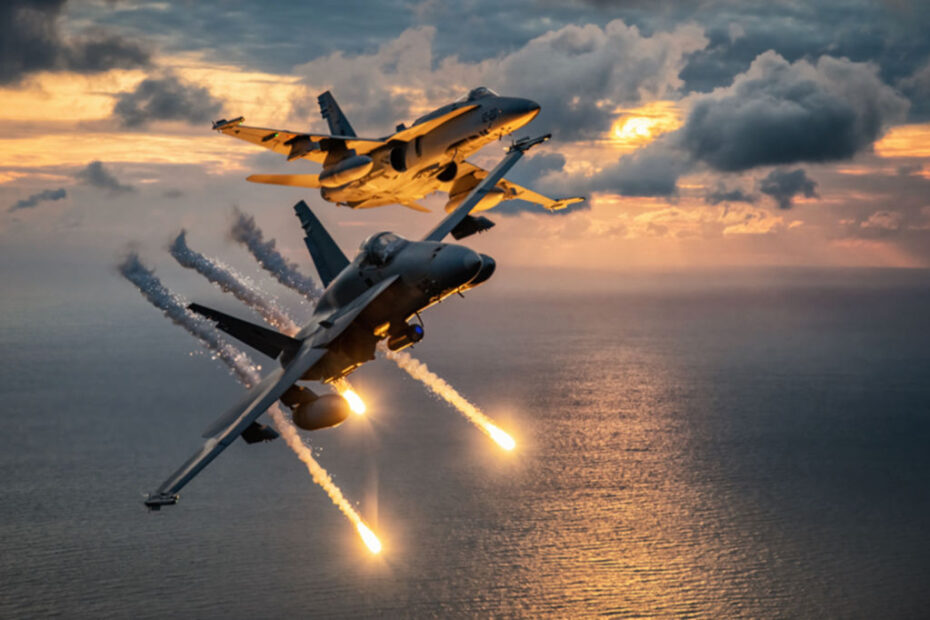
[(338, 123), (327, 257)]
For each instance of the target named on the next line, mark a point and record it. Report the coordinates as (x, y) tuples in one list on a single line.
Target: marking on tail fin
[(327, 257), (338, 123)]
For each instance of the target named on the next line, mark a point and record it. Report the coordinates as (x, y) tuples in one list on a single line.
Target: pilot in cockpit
[(381, 247)]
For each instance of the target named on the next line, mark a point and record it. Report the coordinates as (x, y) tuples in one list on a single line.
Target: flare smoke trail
[(175, 309), (245, 231), (321, 476), (231, 282), (438, 386), (247, 372)]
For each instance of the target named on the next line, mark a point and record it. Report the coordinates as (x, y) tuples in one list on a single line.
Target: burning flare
[(356, 404), (371, 541), (438, 386)]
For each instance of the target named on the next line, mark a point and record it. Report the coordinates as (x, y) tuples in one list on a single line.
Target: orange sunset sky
[(683, 128)]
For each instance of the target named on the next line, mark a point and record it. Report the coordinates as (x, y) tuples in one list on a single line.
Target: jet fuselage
[(408, 171), (427, 272)]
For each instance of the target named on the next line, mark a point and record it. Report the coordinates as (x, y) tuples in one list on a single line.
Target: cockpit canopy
[(478, 93), (380, 248)]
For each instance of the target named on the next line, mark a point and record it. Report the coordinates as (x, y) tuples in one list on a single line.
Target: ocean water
[(754, 450)]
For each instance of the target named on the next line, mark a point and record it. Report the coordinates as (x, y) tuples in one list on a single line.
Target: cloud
[(30, 41), (97, 176), (784, 185), (165, 98), (721, 194), (579, 74), (650, 171), (782, 113), (883, 221), (775, 113), (47, 195), (536, 166)]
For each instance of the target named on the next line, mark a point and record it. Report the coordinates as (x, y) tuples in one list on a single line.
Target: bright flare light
[(504, 440), (438, 386), (371, 541), (356, 404)]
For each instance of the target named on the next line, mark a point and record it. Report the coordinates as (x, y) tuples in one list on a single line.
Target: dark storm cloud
[(97, 176), (165, 98), (31, 40), (578, 74), (537, 166), (651, 171), (581, 74), (781, 113), (776, 113), (784, 185), (47, 195), (721, 194)]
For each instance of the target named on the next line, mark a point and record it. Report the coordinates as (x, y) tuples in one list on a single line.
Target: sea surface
[(754, 448)]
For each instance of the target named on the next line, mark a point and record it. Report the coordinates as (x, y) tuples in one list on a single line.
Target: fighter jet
[(401, 168), (372, 298)]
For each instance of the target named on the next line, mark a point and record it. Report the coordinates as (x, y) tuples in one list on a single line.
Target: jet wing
[(406, 135), (228, 427), (486, 184), (295, 144), (512, 190)]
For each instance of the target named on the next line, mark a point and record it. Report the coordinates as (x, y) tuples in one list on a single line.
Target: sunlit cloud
[(905, 141)]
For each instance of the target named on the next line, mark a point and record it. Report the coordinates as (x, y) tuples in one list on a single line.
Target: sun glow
[(636, 127)]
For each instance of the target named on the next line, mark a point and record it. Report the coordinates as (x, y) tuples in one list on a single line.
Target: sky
[(704, 134)]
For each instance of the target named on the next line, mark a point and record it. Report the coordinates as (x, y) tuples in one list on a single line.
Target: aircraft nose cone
[(472, 262), (529, 109)]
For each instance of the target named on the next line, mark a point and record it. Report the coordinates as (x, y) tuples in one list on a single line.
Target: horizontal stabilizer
[(327, 257), (561, 203), (291, 180), (268, 341)]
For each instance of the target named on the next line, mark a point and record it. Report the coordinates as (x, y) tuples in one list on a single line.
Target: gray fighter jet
[(411, 163), (372, 298)]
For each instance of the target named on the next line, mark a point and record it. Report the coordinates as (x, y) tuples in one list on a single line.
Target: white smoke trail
[(246, 371), (245, 231), (231, 282), (419, 371), (175, 309)]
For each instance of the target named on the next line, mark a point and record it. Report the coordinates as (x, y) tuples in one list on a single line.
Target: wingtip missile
[(525, 144), (156, 500), (222, 124)]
